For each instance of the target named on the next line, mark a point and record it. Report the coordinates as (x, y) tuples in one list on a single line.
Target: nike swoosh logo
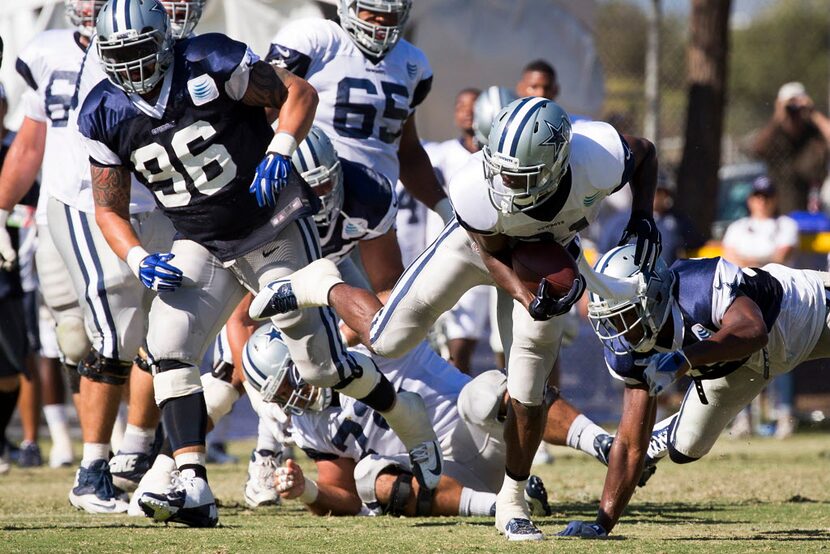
[(283, 52), (266, 253), (436, 470)]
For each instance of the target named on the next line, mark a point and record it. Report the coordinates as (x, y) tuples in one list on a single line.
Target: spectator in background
[(538, 79), (794, 145), (761, 238), (764, 236)]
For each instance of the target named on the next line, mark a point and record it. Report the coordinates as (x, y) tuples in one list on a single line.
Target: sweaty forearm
[(332, 500), (117, 231), (19, 173), (620, 482)]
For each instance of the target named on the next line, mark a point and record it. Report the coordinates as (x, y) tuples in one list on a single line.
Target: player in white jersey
[(355, 450), (535, 180), (370, 81), (730, 329)]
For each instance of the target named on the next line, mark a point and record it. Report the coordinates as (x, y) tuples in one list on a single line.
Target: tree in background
[(708, 49)]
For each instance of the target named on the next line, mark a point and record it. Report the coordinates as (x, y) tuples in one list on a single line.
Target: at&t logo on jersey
[(354, 228), (202, 89), (701, 332)]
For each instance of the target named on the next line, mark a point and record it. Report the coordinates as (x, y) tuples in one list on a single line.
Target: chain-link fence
[(771, 42)]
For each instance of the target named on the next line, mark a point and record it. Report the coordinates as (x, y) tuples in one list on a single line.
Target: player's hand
[(642, 227), (8, 255), (270, 178), (583, 530), (661, 370), (156, 274), (290, 481), (544, 306)]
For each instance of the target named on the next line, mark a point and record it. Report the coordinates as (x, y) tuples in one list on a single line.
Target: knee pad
[(220, 396), (480, 399), (73, 377), (174, 379), (366, 472), (371, 467), (96, 367), (72, 339), (678, 457), (364, 378)]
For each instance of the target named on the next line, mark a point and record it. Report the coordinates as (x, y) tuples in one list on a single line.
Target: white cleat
[(189, 501), (158, 479), (260, 489), (427, 464), (521, 529), (414, 428)]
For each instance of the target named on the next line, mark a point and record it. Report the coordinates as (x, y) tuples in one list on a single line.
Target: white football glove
[(8, 255)]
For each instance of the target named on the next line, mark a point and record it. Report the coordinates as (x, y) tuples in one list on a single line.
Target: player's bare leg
[(28, 405)]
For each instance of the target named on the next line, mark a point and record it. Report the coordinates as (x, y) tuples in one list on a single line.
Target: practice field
[(759, 496)]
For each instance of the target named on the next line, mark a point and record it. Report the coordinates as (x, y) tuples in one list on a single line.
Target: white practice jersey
[(363, 105), (447, 158), (411, 225), (141, 199), (354, 430), (50, 64), (600, 163)]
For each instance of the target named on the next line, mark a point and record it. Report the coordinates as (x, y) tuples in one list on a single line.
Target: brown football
[(534, 261)]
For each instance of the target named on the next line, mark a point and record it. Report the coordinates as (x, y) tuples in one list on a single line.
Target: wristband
[(283, 143), (4, 216), (134, 257), (310, 493), (444, 209)]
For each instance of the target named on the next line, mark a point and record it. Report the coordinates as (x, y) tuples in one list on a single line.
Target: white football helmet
[(269, 369), (184, 16), (374, 40), (528, 148), (648, 309), (82, 14), (488, 104), (135, 43), (317, 162)]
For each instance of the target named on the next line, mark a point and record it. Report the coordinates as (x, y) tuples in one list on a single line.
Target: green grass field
[(758, 496)]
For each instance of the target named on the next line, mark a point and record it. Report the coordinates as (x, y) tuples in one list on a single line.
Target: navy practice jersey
[(703, 296), (198, 148), (369, 209)]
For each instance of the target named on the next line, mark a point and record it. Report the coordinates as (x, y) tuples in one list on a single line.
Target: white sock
[(191, 458), (58, 423), (137, 439), (475, 503), (266, 440), (94, 451), (581, 434), (311, 284), (511, 501)]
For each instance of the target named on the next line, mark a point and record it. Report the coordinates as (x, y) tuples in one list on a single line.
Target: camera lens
[(792, 109)]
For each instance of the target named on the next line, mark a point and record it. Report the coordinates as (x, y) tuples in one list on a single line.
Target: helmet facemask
[(136, 61), (82, 14), (522, 187), (184, 16), (292, 394), (374, 40), (327, 184)]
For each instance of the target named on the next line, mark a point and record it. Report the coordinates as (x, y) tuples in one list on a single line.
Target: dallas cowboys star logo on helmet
[(273, 334), (558, 134)]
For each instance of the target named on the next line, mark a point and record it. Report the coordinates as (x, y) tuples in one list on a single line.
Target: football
[(534, 261)]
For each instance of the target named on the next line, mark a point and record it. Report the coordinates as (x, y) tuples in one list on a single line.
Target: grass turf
[(761, 495)]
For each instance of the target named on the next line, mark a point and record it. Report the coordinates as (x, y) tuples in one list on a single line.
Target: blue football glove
[(661, 370), (156, 274), (583, 530), (270, 178), (546, 306)]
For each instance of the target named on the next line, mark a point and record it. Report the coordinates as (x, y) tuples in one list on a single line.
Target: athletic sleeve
[(296, 45), (602, 155), (467, 191), (725, 288)]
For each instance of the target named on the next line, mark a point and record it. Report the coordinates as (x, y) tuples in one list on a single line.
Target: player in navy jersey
[(730, 329), (189, 121)]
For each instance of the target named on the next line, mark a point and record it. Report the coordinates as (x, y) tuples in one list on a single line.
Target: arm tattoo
[(110, 189), (266, 86)]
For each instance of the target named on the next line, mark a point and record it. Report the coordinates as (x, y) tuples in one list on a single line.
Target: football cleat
[(426, 464), (158, 479), (536, 497), (189, 501), (94, 492), (260, 489), (274, 298), (127, 469), (602, 448), (29, 455), (521, 529)]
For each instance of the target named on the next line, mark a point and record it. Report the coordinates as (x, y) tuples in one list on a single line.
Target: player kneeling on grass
[(363, 467), (730, 329)]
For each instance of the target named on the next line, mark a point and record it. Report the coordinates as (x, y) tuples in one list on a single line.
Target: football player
[(370, 81), (50, 66), (360, 461), (730, 329), (188, 120), (538, 79), (536, 179)]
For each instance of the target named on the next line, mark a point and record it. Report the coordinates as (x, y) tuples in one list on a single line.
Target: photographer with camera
[(794, 145)]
